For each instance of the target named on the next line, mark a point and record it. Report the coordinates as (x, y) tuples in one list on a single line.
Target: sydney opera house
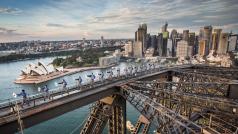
[(40, 69), (37, 73)]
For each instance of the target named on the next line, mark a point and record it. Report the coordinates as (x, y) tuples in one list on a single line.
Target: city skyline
[(71, 20)]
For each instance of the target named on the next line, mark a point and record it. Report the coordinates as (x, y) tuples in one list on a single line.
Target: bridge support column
[(110, 109), (117, 121), (96, 120)]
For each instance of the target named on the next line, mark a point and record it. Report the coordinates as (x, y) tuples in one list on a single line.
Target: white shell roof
[(39, 69)]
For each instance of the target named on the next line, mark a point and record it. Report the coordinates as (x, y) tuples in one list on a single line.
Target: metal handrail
[(56, 91)]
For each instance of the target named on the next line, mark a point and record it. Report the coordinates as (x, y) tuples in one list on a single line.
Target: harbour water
[(64, 124)]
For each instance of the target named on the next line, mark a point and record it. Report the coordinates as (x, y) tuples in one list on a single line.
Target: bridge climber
[(24, 98), (130, 68), (64, 84), (136, 70), (141, 68), (79, 81), (101, 76), (45, 91), (118, 72), (92, 78), (126, 71), (110, 76)]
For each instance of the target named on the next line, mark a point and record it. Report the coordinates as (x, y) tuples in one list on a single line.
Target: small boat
[(129, 126)]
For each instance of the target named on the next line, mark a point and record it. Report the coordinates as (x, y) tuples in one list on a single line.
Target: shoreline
[(32, 56)]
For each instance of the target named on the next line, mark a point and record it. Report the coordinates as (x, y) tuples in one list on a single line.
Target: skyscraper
[(154, 42), (223, 44), (185, 35), (202, 47), (147, 41), (144, 26), (205, 35), (160, 44), (214, 41), (173, 37), (169, 48), (216, 38), (233, 42), (137, 49), (165, 39), (140, 35), (196, 45), (208, 36), (191, 41), (165, 43), (164, 27)]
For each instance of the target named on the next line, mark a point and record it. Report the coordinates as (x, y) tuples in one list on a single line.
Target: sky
[(76, 19)]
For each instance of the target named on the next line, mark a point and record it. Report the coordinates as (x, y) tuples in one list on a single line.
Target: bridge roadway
[(63, 101)]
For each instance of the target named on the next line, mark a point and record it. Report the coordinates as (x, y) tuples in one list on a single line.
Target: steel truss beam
[(219, 123), (195, 77), (190, 104), (214, 67), (212, 89), (174, 94), (165, 119), (228, 73)]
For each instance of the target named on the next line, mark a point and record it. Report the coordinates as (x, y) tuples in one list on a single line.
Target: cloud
[(9, 32), (117, 18), (198, 21), (102, 18), (13, 11), (228, 27), (58, 25), (4, 30)]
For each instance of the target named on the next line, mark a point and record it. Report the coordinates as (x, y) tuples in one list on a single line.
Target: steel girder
[(117, 120), (171, 92), (96, 120), (194, 106), (165, 119), (212, 89), (219, 123), (101, 113), (214, 67), (195, 77), (228, 73)]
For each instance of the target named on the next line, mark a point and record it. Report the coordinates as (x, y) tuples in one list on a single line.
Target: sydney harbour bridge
[(176, 99)]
